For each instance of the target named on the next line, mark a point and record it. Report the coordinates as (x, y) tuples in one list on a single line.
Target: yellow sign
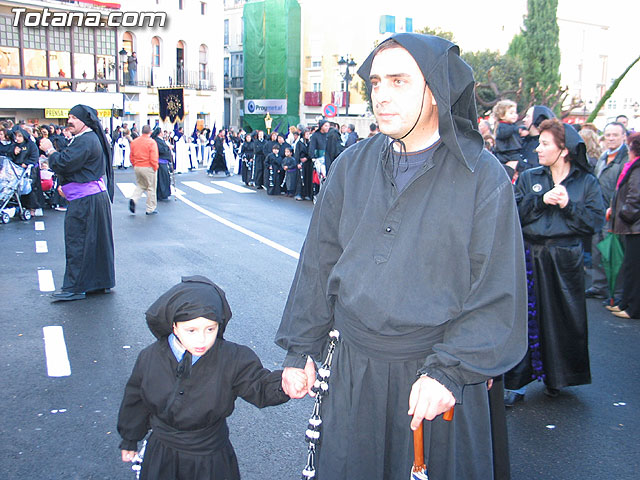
[(64, 113)]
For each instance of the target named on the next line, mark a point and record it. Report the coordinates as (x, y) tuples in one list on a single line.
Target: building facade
[(233, 67), (45, 70)]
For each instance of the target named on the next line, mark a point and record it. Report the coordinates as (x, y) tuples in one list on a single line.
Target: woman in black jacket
[(25, 152), (558, 203), (625, 213)]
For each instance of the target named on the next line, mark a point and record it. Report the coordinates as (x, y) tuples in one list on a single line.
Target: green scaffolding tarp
[(272, 59)]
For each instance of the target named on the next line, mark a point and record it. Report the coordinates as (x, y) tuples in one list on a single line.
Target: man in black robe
[(414, 253), (318, 142), (86, 177), (334, 145)]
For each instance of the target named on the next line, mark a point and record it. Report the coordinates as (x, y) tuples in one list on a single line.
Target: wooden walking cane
[(419, 470)]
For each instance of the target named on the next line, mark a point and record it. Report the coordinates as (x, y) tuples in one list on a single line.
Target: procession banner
[(171, 103)]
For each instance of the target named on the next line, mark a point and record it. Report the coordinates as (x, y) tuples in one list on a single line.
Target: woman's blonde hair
[(592, 143), (500, 108)]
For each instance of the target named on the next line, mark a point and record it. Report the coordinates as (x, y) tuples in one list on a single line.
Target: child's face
[(197, 335), (511, 115), (287, 152)]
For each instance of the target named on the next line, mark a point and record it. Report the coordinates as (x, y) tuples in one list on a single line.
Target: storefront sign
[(261, 107), (64, 113)]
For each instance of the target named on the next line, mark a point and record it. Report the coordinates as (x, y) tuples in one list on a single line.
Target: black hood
[(193, 297), (576, 146), (89, 117), (25, 134), (540, 114), (451, 81)]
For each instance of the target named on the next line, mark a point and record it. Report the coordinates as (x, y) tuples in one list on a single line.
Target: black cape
[(558, 314), (429, 280)]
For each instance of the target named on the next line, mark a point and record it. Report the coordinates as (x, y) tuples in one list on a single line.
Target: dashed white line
[(39, 226), (41, 246), (45, 280), (238, 228), (206, 189), (56, 352), (127, 189), (232, 186)]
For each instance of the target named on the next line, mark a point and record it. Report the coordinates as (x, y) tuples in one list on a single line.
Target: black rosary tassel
[(321, 389)]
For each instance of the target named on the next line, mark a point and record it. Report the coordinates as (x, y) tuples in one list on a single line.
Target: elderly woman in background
[(625, 214), (558, 203)]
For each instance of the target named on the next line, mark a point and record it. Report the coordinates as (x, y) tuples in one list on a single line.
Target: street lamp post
[(123, 58), (345, 65)]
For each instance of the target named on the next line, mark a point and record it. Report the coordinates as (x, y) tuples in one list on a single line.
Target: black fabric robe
[(163, 187), (554, 237), (218, 164), (190, 438), (87, 223), (430, 280), (305, 185), (334, 147)]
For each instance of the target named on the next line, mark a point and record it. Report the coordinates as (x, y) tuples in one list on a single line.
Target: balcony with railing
[(157, 77)]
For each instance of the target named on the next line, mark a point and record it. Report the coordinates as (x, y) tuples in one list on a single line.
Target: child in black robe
[(273, 167), (290, 167), (185, 384)]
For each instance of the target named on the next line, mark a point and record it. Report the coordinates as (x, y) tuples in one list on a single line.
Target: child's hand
[(297, 381), (524, 132), (127, 455)]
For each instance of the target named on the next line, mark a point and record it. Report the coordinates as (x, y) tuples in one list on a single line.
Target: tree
[(610, 91), (438, 32), (497, 77), (537, 47)]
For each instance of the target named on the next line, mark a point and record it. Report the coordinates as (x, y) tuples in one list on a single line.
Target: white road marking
[(240, 229), (232, 186), (206, 189), (45, 279), (39, 226), (56, 352), (127, 189), (41, 246)]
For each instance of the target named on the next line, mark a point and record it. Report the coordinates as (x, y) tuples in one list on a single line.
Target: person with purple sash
[(86, 179)]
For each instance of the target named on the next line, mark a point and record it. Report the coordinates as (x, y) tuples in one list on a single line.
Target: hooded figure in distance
[(414, 254)]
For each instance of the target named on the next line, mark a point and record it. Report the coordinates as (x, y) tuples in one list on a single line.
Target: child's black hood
[(193, 297), (451, 81)]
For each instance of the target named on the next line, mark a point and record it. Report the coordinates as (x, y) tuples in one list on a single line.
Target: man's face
[(528, 118), (624, 121), (613, 136), (75, 125), (397, 86), (325, 127)]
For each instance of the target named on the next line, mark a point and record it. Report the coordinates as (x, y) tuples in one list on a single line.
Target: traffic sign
[(330, 110)]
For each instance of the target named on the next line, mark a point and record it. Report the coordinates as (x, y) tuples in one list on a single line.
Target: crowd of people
[(503, 299)]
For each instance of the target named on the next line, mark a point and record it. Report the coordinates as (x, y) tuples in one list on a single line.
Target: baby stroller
[(14, 181), (319, 176)]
